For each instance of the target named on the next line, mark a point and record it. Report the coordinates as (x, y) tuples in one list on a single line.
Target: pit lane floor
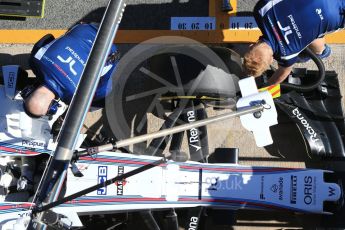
[(228, 134), (231, 134)]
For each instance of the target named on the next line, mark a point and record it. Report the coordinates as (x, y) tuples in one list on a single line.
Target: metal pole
[(181, 128), (173, 130), (82, 99)]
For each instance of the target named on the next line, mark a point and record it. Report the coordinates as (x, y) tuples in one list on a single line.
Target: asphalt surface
[(140, 14)]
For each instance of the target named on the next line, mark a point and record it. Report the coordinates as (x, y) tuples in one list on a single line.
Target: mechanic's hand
[(23, 184)]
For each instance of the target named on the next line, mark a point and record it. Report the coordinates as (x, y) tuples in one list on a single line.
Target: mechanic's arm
[(279, 75)]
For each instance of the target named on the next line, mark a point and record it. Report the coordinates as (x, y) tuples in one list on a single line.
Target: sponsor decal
[(293, 190), (233, 183), (193, 223), (308, 190), (281, 188), (69, 61), (286, 32), (331, 191), (213, 182), (294, 26), (34, 144), (102, 177), (274, 188), (76, 55), (193, 133), (262, 196), (312, 134), (276, 34), (120, 184), (319, 12), (10, 81)]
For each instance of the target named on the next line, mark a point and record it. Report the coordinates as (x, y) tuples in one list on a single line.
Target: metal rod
[(53, 181), (167, 132), (181, 128), (101, 185)]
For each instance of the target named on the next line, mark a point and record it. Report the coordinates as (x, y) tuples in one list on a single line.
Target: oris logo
[(308, 190)]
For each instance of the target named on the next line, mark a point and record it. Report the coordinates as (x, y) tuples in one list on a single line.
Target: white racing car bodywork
[(178, 185), (188, 184)]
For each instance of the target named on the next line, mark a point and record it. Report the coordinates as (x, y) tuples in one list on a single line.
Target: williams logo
[(120, 184), (331, 191), (293, 190), (102, 177)]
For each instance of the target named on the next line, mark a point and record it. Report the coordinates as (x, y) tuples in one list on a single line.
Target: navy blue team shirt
[(62, 61), (289, 26)]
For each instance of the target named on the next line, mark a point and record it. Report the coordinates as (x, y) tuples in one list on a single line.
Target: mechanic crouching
[(58, 65), (288, 27)]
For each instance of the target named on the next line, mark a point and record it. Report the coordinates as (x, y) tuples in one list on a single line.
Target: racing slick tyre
[(150, 72)]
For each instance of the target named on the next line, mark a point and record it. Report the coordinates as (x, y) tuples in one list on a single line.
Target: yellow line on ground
[(137, 36), (26, 36)]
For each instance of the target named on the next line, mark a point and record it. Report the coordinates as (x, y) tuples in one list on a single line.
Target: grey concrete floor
[(226, 134), (155, 14)]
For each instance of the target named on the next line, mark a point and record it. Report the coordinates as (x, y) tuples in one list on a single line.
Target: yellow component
[(29, 16), (137, 36), (26, 36), (274, 90), (43, 7), (190, 97)]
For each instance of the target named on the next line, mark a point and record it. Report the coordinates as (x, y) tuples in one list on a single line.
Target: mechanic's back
[(291, 25), (61, 62)]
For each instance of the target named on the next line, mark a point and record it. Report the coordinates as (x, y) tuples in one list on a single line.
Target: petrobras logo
[(34, 144), (102, 177), (295, 26)]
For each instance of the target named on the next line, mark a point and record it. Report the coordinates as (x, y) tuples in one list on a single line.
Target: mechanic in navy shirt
[(288, 27), (59, 65)]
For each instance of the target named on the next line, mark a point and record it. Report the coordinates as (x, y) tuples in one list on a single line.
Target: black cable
[(311, 86)]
